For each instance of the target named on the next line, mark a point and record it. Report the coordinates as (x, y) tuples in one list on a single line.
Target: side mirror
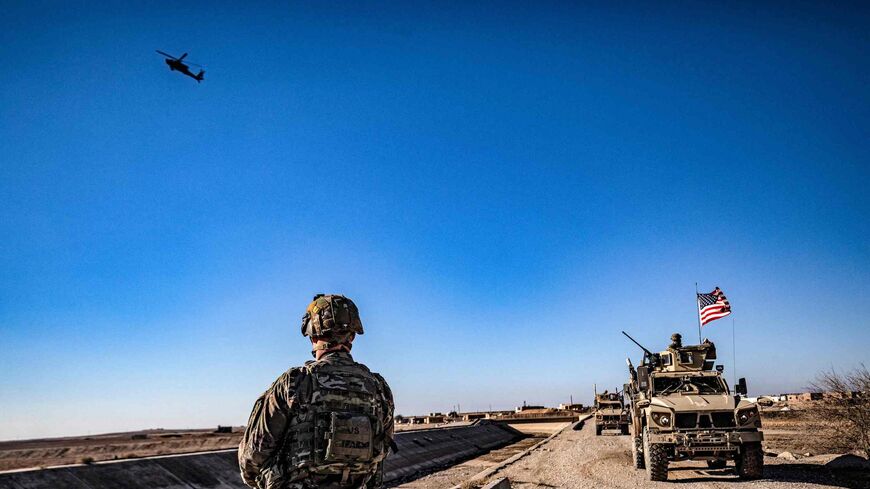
[(741, 387)]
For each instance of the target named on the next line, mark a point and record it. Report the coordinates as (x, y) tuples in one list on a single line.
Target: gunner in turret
[(676, 341)]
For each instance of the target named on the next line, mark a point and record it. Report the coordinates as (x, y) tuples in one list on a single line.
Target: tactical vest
[(338, 427)]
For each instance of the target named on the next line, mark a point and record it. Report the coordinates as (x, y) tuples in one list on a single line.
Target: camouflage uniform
[(328, 424)]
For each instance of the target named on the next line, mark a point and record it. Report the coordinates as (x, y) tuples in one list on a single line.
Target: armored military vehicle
[(682, 409), (611, 417)]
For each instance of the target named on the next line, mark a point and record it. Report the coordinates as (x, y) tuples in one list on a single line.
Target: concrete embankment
[(419, 451)]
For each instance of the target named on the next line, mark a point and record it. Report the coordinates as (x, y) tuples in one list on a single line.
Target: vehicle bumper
[(611, 424), (707, 441), (611, 421)]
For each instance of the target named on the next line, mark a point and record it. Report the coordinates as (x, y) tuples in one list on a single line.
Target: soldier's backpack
[(338, 428)]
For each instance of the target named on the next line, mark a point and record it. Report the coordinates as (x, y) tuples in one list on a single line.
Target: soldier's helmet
[(333, 318), (676, 340)]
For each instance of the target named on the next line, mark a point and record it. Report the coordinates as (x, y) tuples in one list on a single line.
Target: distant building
[(571, 407), (806, 396), (524, 408), (474, 416), (434, 418), (800, 397)]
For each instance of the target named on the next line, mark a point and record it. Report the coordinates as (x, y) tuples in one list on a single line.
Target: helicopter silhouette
[(176, 64)]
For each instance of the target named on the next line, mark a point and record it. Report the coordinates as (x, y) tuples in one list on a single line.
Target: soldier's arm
[(388, 408), (266, 427), (390, 422), (377, 479)]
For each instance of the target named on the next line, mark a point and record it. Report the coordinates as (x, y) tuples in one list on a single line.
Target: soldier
[(676, 341), (328, 424)]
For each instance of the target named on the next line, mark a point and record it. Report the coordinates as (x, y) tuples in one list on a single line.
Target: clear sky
[(501, 189)]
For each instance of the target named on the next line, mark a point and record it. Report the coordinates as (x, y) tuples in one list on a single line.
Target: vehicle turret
[(691, 358)]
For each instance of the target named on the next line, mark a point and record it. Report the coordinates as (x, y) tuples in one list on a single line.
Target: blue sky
[(501, 188)]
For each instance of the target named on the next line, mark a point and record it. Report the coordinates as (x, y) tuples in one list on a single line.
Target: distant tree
[(845, 405)]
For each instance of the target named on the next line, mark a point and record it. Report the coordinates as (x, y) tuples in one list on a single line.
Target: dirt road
[(579, 459)]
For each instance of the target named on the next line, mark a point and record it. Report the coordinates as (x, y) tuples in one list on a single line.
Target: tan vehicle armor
[(682, 409), (611, 416)]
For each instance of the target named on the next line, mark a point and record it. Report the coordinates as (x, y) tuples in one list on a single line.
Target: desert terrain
[(21, 454), (577, 459), (797, 454), (49, 452)]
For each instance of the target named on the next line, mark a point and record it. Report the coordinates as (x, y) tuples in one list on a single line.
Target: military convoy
[(611, 416), (681, 408)]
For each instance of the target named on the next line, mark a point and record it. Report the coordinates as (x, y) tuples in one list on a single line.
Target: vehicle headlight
[(662, 419), (747, 415)]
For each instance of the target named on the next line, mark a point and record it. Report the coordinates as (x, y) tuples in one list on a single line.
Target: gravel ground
[(579, 459)]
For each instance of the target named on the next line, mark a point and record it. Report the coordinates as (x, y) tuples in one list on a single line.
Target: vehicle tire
[(750, 462), (637, 453), (717, 464), (655, 459), (597, 431)]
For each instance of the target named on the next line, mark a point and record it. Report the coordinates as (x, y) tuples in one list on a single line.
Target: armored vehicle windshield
[(688, 384)]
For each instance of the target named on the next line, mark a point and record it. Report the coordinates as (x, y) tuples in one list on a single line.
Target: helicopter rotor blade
[(165, 54), (182, 56)]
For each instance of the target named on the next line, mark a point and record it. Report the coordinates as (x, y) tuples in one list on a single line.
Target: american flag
[(713, 306)]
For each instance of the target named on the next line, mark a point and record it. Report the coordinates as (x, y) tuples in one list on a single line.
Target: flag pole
[(698, 305), (733, 353)]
